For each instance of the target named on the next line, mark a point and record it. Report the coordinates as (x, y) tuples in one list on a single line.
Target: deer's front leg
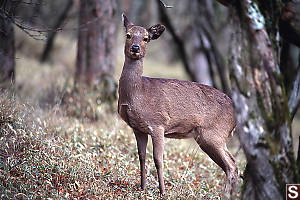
[(158, 149), (142, 140)]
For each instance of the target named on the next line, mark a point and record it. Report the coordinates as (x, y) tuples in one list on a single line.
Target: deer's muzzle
[(135, 49)]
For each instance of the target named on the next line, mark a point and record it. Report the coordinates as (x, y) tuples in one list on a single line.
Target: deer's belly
[(179, 135), (145, 121)]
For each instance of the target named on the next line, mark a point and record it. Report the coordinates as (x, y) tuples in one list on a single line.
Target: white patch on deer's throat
[(150, 128)]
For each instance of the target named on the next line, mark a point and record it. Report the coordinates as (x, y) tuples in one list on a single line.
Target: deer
[(170, 108)]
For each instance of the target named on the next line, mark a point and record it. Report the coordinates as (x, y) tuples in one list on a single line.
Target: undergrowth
[(45, 154)]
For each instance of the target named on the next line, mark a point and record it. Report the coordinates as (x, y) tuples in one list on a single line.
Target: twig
[(165, 5), (37, 33)]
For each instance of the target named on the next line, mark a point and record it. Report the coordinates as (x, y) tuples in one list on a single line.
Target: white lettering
[(293, 194)]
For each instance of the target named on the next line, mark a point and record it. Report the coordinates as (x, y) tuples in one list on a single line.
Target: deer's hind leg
[(214, 146)]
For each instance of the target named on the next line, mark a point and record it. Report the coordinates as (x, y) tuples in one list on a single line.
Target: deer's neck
[(131, 78)]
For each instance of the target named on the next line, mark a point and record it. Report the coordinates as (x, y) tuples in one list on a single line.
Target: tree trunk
[(264, 122), (197, 45), (7, 50), (96, 41), (179, 42), (207, 27), (53, 32), (289, 22)]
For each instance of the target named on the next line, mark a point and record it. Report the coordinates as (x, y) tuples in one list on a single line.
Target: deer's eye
[(146, 39), (128, 35)]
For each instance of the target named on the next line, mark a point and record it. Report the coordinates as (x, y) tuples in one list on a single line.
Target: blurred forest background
[(60, 61)]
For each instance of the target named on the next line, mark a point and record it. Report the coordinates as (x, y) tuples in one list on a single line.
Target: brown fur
[(172, 108)]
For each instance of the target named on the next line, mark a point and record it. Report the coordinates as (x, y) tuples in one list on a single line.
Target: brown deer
[(172, 108)]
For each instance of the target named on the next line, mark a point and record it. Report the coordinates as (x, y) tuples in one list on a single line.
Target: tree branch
[(219, 61), (294, 100), (165, 5), (37, 34), (33, 32), (52, 34), (289, 24), (178, 42), (298, 155), (225, 2)]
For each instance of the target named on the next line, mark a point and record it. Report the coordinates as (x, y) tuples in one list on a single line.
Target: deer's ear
[(156, 31), (126, 22)]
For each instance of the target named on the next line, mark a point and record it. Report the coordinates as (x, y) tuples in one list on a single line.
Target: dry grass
[(63, 158)]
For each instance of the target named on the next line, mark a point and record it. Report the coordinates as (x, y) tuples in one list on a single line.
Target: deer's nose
[(135, 48)]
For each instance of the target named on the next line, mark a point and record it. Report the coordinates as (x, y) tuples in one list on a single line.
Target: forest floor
[(45, 154), (48, 152)]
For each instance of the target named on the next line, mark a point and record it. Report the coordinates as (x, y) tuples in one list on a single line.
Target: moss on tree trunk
[(261, 101)]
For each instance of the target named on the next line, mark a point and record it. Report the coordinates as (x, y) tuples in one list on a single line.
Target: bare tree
[(57, 26), (208, 22), (96, 41), (178, 40), (197, 45), (7, 43)]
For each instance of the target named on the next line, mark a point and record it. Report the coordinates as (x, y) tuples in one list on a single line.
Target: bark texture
[(7, 47), (264, 123), (96, 41)]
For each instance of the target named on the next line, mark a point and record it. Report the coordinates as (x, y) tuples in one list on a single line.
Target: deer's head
[(138, 37)]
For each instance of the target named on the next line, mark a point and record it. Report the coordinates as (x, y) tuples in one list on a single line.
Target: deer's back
[(179, 106)]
